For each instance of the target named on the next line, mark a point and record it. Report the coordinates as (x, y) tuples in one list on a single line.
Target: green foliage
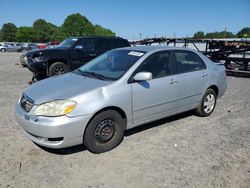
[(42, 31), (101, 31), (58, 35), (199, 35), (244, 33), (45, 31), (26, 34), (8, 32), (213, 35), (223, 34), (77, 25)]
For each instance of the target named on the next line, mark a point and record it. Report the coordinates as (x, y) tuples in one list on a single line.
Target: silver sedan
[(119, 90)]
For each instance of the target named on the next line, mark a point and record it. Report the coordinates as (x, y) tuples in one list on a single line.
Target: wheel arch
[(215, 88), (117, 109)]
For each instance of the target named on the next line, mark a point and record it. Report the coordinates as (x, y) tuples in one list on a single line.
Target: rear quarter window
[(118, 43)]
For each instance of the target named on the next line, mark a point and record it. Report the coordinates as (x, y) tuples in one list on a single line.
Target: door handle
[(92, 54), (204, 75), (173, 82)]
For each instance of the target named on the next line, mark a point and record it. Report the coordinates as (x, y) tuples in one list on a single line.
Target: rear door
[(102, 45), (154, 98), (81, 56), (192, 78)]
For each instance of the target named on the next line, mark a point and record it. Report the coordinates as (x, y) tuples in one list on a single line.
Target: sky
[(129, 18)]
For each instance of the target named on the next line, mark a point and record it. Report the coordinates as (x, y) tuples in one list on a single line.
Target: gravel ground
[(181, 151)]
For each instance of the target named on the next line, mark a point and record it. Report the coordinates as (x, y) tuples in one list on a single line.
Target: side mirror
[(143, 76), (79, 47)]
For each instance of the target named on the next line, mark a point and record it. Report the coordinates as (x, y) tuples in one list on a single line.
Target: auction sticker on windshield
[(139, 54)]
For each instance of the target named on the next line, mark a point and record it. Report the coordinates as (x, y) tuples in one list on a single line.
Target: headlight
[(38, 58), (55, 108)]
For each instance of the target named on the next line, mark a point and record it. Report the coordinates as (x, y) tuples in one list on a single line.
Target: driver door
[(155, 98), (83, 52)]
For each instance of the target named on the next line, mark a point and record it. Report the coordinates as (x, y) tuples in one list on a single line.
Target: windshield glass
[(67, 43), (111, 65)]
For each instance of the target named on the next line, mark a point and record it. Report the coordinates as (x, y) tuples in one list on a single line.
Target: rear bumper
[(52, 132), (222, 88)]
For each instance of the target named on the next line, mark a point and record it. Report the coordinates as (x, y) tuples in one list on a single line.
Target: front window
[(67, 43), (111, 65)]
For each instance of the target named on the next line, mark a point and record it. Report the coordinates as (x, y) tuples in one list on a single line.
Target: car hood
[(47, 51), (62, 87)]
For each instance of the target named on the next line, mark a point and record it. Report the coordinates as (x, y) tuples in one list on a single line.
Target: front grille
[(26, 103)]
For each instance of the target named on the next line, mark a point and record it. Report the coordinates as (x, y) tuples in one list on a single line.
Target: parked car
[(31, 46), (70, 54), (52, 44), (11, 48), (119, 90), (41, 45), (23, 60)]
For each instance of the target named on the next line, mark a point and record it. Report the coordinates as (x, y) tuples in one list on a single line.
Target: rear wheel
[(104, 132), (58, 68), (207, 104)]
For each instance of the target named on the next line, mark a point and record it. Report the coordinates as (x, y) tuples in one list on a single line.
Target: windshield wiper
[(93, 74)]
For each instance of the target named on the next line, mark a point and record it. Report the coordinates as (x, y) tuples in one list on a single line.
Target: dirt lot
[(181, 151)]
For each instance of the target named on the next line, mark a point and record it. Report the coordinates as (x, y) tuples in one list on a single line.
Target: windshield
[(67, 43), (111, 65)]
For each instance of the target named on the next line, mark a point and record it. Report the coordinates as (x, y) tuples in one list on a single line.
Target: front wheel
[(104, 132), (207, 104), (58, 68), (3, 50)]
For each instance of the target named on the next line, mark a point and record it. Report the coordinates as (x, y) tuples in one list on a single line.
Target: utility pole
[(140, 35), (225, 32)]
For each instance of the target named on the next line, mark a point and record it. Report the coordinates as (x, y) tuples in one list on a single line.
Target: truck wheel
[(104, 132), (58, 68), (207, 104)]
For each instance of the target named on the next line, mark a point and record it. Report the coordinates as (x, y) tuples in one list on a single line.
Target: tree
[(77, 25), (222, 34), (45, 31), (101, 31), (26, 34), (8, 32), (199, 35), (244, 33)]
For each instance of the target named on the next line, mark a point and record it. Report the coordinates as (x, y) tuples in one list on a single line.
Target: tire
[(58, 68), (111, 125), (3, 50), (207, 104)]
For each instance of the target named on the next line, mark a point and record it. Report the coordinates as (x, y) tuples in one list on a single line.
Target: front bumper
[(36, 67), (52, 132)]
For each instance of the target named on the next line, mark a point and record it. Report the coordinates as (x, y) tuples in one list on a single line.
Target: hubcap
[(105, 131), (59, 69), (209, 103)]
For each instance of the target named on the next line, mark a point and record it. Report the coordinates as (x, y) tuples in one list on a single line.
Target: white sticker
[(139, 54), (74, 39)]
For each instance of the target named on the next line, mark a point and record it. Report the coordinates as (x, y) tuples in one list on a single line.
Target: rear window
[(118, 43)]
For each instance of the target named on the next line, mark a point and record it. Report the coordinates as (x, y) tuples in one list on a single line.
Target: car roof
[(153, 48), (99, 37)]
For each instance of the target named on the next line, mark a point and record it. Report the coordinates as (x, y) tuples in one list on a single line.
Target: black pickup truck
[(70, 54)]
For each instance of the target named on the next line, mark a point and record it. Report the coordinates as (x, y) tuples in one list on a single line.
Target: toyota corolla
[(116, 91)]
